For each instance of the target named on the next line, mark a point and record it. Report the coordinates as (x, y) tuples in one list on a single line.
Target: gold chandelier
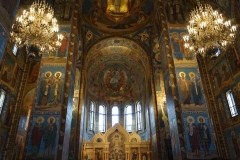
[(208, 31), (37, 30)]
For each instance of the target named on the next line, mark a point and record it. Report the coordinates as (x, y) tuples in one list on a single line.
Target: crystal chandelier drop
[(37, 30), (208, 31)]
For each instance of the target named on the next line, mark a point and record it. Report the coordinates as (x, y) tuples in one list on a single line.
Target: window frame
[(138, 112), (128, 121), (103, 115), (231, 103), (115, 115), (91, 115), (2, 99)]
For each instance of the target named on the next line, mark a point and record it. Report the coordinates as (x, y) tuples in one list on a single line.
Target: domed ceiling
[(117, 16), (115, 71)]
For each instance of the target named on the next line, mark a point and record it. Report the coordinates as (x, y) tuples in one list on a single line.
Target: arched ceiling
[(118, 16), (116, 69)]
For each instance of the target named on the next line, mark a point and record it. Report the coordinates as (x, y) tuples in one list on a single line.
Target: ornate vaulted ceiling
[(118, 16), (114, 66), (116, 69)]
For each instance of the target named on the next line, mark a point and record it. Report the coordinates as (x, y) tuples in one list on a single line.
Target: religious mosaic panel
[(189, 87), (177, 45), (43, 137), (63, 48), (121, 81), (233, 141), (199, 135), (49, 92), (175, 11), (10, 72), (34, 71), (223, 110), (90, 35), (221, 75)]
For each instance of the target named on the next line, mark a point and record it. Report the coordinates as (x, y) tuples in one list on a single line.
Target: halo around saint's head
[(192, 74), (49, 73), (60, 74), (190, 117), (40, 118), (202, 119), (64, 33), (235, 89), (233, 134), (54, 119), (182, 34), (180, 74), (174, 34)]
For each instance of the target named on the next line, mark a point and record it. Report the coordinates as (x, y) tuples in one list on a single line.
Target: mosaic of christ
[(115, 79)]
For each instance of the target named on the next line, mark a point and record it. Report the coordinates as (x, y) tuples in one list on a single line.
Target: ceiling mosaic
[(116, 45), (116, 81), (116, 71), (117, 16)]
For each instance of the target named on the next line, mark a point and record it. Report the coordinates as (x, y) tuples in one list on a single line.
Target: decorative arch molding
[(129, 46), (120, 129), (134, 136), (120, 56), (99, 137)]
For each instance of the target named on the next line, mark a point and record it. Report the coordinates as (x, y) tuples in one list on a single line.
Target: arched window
[(2, 98), (102, 118), (139, 116), (128, 118), (115, 115), (91, 115), (231, 103)]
